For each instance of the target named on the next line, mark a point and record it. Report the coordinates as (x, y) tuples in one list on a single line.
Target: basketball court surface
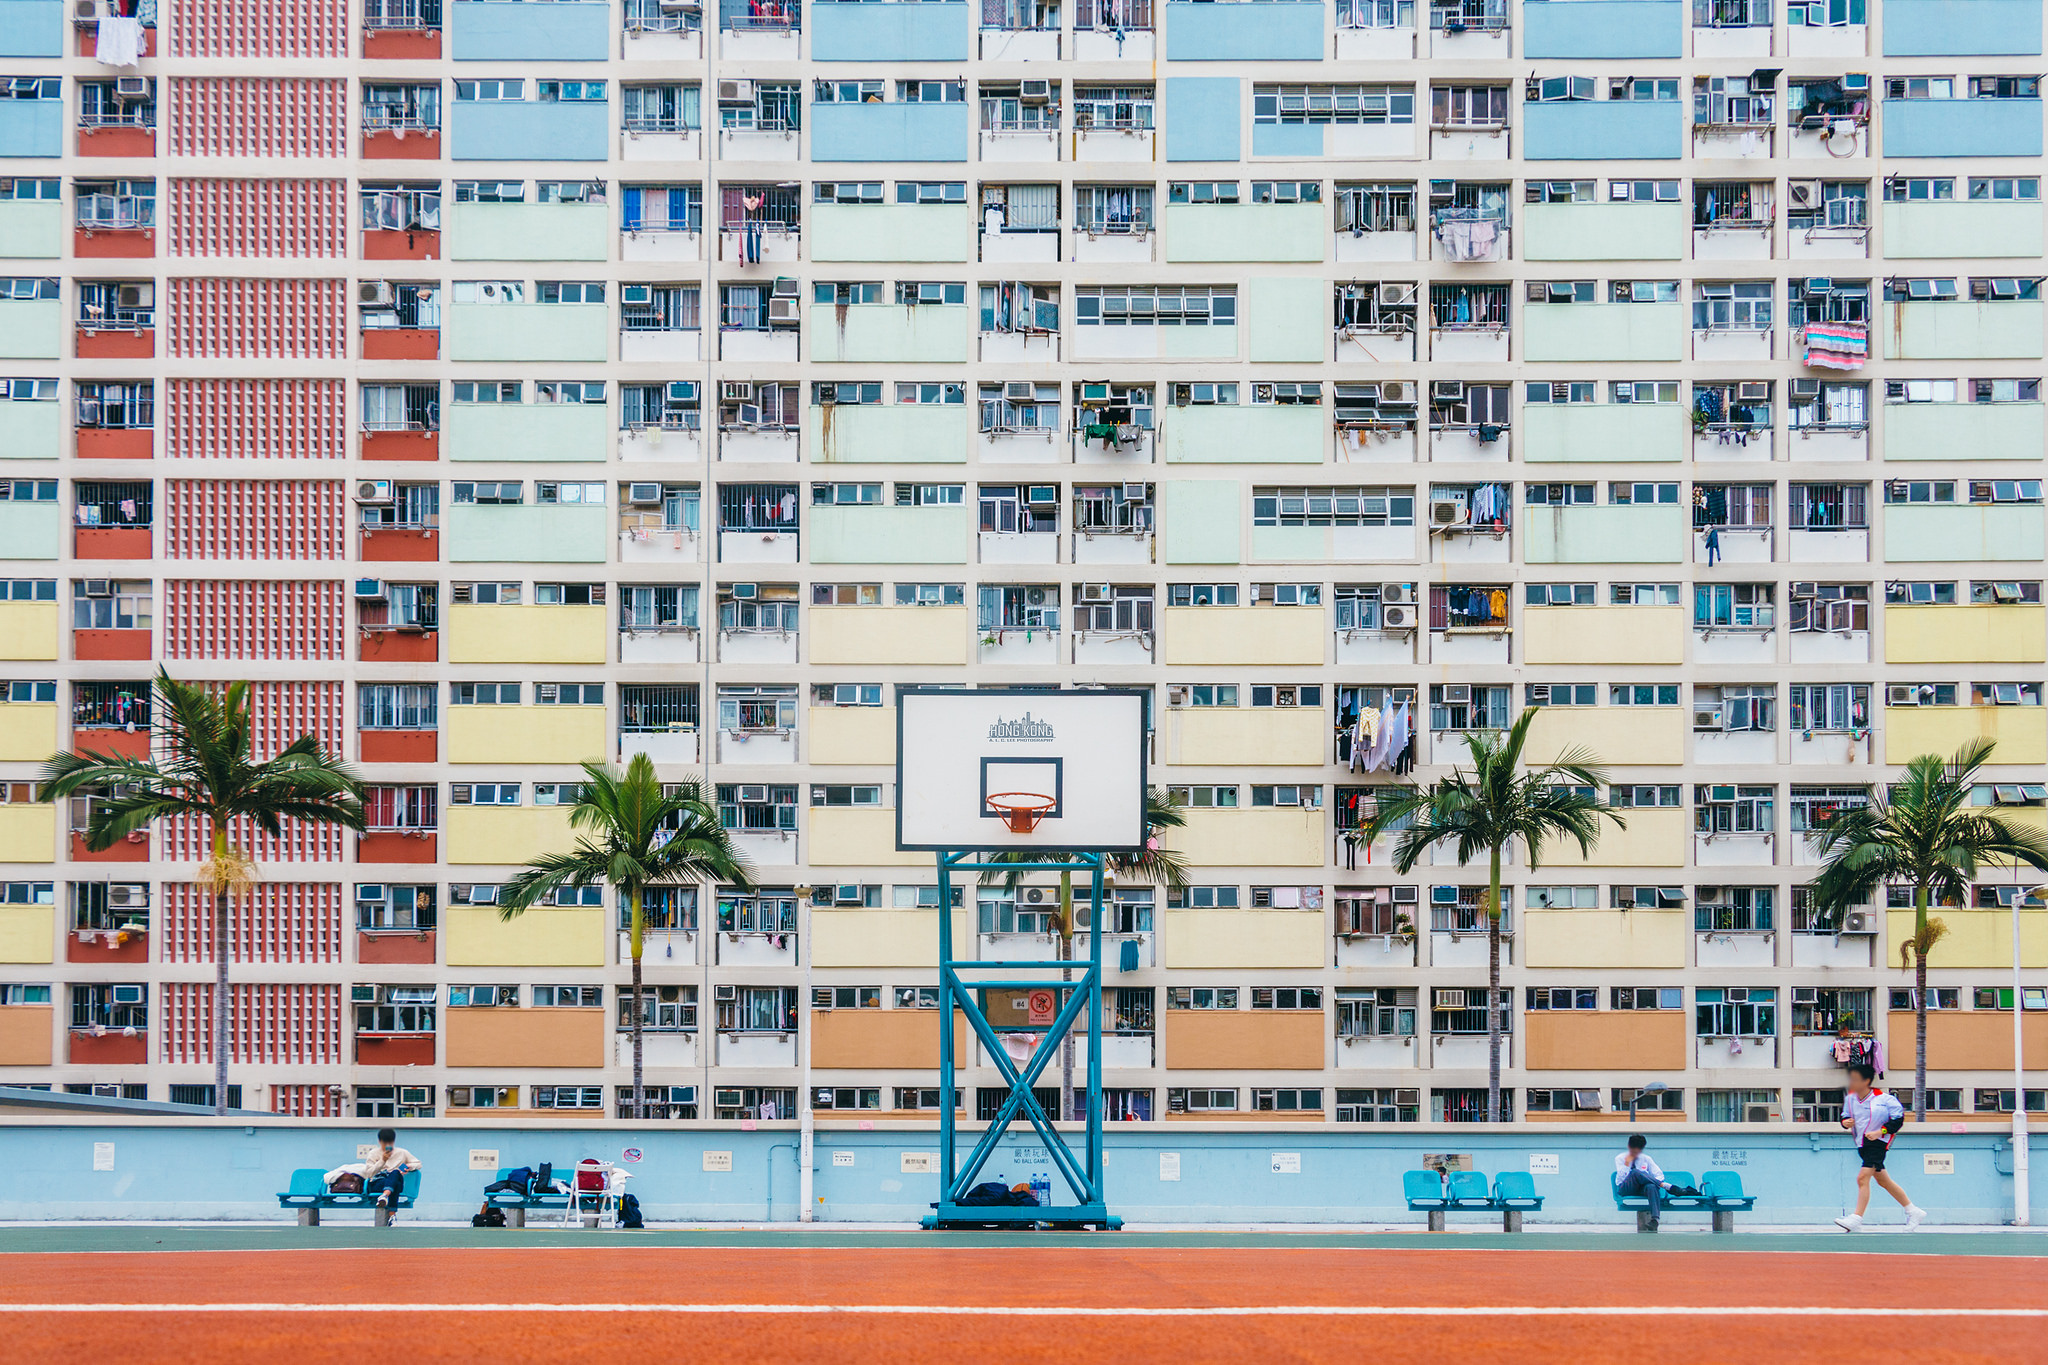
[(341, 1293)]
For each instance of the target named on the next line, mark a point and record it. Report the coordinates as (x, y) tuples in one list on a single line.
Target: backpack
[(629, 1211), (488, 1217), (348, 1182), (544, 1180)]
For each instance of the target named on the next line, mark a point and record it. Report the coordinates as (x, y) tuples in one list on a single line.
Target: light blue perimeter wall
[(214, 1169)]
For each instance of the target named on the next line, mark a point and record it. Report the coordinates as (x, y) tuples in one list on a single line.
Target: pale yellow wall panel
[(506, 834), (28, 630), (1965, 634), (1653, 838), (525, 734), (1653, 939), (1232, 939), (853, 734), (28, 933), (1975, 938), (1228, 736), (28, 834), (1271, 837), (888, 635), (2021, 732), (1603, 635), (479, 634), (545, 936), (881, 938), (28, 731), (1273, 636), (845, 836), (1616, 735)]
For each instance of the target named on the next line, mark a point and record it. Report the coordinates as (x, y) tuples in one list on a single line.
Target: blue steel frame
[(1083, 1171)]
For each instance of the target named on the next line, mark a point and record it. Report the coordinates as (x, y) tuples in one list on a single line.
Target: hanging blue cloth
[(1127, 956)]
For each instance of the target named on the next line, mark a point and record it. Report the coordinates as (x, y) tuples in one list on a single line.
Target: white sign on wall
[(1287, 1163), (842, 1158), (103, 1156), (919, 1163), (718, 1161), (1937, 1163), (483, 1158), (1169, 1165), (1543, 1163)]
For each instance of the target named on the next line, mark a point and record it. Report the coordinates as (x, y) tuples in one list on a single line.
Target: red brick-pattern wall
[(280, 1025), (271, 117), (296, 218), (297, 922), (185, 839), (213, 319), (256, 419), (259, 28), (254, 519), (245, 619), (308, 1101)]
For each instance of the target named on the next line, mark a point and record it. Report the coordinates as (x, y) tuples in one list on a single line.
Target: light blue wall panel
[(1202, 121), (32, 28), (556, 31), (1267, 31), (1962, 28), (31, 128), (1604, 130), (889, 32), (491, 131), (1603, 28), (1962, 127)]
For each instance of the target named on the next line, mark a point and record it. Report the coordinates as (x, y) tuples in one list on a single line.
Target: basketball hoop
[(1022, 811)]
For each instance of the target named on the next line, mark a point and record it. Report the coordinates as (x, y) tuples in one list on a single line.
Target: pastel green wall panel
[(528, 331), (31, 229), (1197, 233), (1604, 331), (1964, 431), (888, 332), (886, 535), (1202, 523), (1198, 343), (1959, 228), (489, 534), (529, 232), (545, 432), (1604, 232), (1961, 330), (1604, 433), (899, 433), (30, 530), (32, 431), (1287, 317), (31, 329), (890, 232), (1604, 535), (1921, 534)]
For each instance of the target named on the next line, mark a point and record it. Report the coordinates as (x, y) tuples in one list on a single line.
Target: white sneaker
[(1850, 1222), (1915, 1215)]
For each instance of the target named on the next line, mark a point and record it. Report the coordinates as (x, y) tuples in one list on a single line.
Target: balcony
[(481, 634), (1603, 130), (1957, 128), (889, 333), (1268, 31), (889, 535), (889, 132), (398, 746), (529, 331), (2020, 732), (1602, 232), (495, 130), (402, 30), (1239, 434), (110, 1047), (398, 847), (401, 545), (673, 745), (1622, 534), (890, 232), (1603, 30), (563, 31), (529, 232), (1229, 233), (898, 31), (1917, 533), (1962, 329), (1951, 229), (889, 635), (1736, 1054), (1604, 433), (1603, 331)]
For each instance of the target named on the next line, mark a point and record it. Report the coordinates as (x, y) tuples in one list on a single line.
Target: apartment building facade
[(500, 385)]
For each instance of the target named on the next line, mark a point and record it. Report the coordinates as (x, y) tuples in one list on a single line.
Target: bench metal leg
[(1724, 1220), (1643, 1220), (515, 1217), (1436, 1220), (1510, 1220), (380, 1216), (309, 1218)]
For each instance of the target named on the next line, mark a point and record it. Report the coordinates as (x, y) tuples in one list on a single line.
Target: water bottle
[(1041, 1188)]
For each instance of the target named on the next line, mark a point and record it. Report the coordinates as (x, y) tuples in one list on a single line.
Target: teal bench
[(1513, 1194), (308, 1195), (516, 1204), (1720, 1195)]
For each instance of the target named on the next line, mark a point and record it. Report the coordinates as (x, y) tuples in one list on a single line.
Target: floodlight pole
[(1082, 1171)]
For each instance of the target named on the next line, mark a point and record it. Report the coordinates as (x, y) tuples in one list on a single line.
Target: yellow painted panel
[(525, 634), (28, 731), (880, 938), (28, 834), (1276, 837), (506, 834), (853, 734), (1975, 938), (1246, 938), (524, 1038), (2021, 732), (525, 734), (25, 1034), (888, 635), (1605, 938), (28, 630), (1965, 635), (1605, 1040), (545, 936), (28, 933), (1654, 838), (1603, 635), (846, 836), (1229, 736), (1616, 735), (1244, 635)]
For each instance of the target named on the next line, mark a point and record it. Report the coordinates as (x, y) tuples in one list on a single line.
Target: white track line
[(1047, 1311)]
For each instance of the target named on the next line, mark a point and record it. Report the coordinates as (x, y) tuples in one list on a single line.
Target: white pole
[(2020, 1195), (806, 1193)]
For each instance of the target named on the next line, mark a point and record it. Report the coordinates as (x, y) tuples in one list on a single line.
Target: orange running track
[(748, 1304)]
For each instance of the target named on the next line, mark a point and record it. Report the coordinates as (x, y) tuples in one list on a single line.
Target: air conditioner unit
[(636, 293), (135, 296), (1447, 391), (725, 992), (1400, 393), (1708, 718), (1035, 92), (1756, 1113), (1137, 492), (1176, 696), (1805, 589), (85, 11), (362, 995), (846, 895), (1397, 594), (1901, 694), (374, 293), (682, 391), (1395, 294), (1397, 618), (373, 490), (1806, 388), (1406, 895), (754, 795), (1856, 80), (1457, 694), (730, 392), (127, 896), (1447, 512), (1450, 1000), (1020, 391), (1034, 895), (745, 591), (735, 92), (1805, 194), (99, 587), (1859, 922), (128, 995), (1042, 495), (1095, 592), (1707, 897), (783, 310), (643, 494), (370, 891), (131, 88), (369, 590), (1753, 392)]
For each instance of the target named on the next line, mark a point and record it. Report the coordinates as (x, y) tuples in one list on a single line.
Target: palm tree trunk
[(220, 969), (1920, 1003), (636, 931), (1067, 974), (1493, 990)]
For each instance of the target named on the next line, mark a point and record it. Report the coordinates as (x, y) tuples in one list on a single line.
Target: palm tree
[(202, 767), (1154, 865), (642, 834), (1489, 810), (1921, 833)]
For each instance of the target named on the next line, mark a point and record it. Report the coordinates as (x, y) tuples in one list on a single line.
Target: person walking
[(1873, 1119), (1635, 1173)]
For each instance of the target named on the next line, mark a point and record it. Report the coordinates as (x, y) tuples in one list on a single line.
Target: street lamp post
[(1653, 1088)]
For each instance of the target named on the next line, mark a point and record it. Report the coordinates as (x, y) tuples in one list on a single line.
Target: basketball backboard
[(1077, 759)]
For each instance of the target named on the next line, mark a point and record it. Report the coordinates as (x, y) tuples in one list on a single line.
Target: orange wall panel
[(1277, 1040), (1605, 1040), (525, 1038)]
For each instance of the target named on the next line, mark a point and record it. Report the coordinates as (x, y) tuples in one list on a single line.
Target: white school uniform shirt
[(1622, 1166), (1869, 1115)]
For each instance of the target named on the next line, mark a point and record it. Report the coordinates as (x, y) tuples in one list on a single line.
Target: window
[(1471, 106), (483, 794), (1736, 306), (1204, 795), (929, 395), (1201, 595), (394, 909), (478, 91), (1991, 491), (1463, 1012), (762, 808), (569, 694), (1829, 507), (1645, 796), (1648, 998), (1643, 694), (1462, 910), (1736, 1012), (96, 604), (1468, 706), (1317, 104), (1376, 1012), (930, 494), (843, 794), (396, 1010), (1156, 306), (568, 997), (1830, 706), (569, 291), (1733, 809), (401, 810), (658, 108), (663, 1009), (1201, 997), (1732, 909), (1204, 898), (1820, 1011), (1348, 506), (1562, 998), (1287, 998), (568, 91), (1113, 608)]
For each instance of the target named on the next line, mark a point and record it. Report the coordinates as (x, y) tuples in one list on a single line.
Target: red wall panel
[(242, 619), (253, 518), (259, 28), (271, 117), (299, 218), (256, 419), (267, 922), (214, 319), (297, 1025)]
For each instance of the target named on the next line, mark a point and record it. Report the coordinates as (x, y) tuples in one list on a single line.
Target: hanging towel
[(1127, 956)]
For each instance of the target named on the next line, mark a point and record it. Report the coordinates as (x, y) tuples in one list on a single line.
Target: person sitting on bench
[(385, 1168), (1635, 1173)]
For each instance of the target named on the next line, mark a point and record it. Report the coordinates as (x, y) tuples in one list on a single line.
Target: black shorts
[(1873, 1153)]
